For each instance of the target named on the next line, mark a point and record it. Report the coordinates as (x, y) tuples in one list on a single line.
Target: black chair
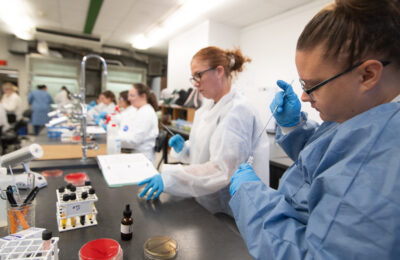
[(162, 145), (11, 117), (10, 137)]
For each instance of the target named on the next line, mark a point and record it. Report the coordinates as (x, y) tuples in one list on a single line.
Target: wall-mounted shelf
[(178, 112)]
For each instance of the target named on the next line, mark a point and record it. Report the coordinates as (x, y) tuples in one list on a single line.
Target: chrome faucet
[(83, 120)]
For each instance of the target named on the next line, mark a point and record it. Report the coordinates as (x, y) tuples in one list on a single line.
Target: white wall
[(182, 48), (223, 36), (271, 44), (180, 52)]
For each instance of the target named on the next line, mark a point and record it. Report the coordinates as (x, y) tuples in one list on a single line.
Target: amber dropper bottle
[(127, 224)]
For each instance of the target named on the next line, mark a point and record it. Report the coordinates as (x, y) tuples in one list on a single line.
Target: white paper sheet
[(95, 130), (125, 169)]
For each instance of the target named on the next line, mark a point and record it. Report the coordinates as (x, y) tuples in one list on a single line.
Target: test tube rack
[(29, 249), (72, 211)]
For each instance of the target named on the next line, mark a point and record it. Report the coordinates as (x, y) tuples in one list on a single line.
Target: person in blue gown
[(40, 102), (341, 197)]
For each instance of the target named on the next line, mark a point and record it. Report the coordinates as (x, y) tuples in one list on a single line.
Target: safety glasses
[(197, 76), (308, 91)]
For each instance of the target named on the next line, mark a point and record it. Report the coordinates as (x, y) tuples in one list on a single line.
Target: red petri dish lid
[(76, 178), (49, 173), (99, 249)]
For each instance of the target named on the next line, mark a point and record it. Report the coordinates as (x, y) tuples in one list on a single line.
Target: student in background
[(124, 113), (139, 132), (62, 98), (3, 119), (106, 105), (123, 101), (40, 102), (127, 111), (11, 101)]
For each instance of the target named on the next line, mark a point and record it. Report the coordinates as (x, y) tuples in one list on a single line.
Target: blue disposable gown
[(339, 200), (40, 102)]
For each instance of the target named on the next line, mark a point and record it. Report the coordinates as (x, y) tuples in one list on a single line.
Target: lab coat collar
[(396, 99), (213, 109)]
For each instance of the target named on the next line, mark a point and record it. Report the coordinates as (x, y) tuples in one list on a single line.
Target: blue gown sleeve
[(261, 211), (339, 200), (295, 141), (30, 98), (51, 100), (351, 209)]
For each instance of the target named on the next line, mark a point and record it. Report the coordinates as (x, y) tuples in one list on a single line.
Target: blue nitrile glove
[(288, 112), (243, 174), (177, 143), (155, 183), (104, 125), (91, 105), (97, 119), (103, 114)]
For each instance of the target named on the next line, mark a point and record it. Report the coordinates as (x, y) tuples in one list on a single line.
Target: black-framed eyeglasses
[(315, 87), (197, 76)]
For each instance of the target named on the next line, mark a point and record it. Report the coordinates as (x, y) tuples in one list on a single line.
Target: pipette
[(166, 128), (251, 158)]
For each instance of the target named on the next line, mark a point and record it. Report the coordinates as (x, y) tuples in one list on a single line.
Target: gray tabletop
[(200, 235), (43, 139)]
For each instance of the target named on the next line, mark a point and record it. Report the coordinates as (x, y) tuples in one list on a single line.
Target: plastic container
[(53, 132), (101, 249), (113, 140), (20, 217), (77, 178)]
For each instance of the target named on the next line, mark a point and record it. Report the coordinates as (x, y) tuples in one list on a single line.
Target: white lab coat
[(13, 103), (62, 98), (123, 118), (110, 108), (3, 119), (139, 131), (222, 137)]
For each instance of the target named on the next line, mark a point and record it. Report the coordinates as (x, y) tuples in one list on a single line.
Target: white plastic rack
[(29, 249), (70, 213)]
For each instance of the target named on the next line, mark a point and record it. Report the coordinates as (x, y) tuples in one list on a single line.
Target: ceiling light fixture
[(16, 14), (189, 11)]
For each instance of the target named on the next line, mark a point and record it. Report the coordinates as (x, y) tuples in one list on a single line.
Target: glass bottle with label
[(127, 224)]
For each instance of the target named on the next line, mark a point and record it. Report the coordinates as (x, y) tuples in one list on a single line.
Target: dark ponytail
[(142, 89), (110, 95), (66, 90)]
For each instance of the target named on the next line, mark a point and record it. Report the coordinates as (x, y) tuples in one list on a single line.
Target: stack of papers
[(125, 169)]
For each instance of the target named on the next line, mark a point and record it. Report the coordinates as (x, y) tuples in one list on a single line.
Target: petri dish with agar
[(76, 178), (103, 248), (160, 247), (52, 173)]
